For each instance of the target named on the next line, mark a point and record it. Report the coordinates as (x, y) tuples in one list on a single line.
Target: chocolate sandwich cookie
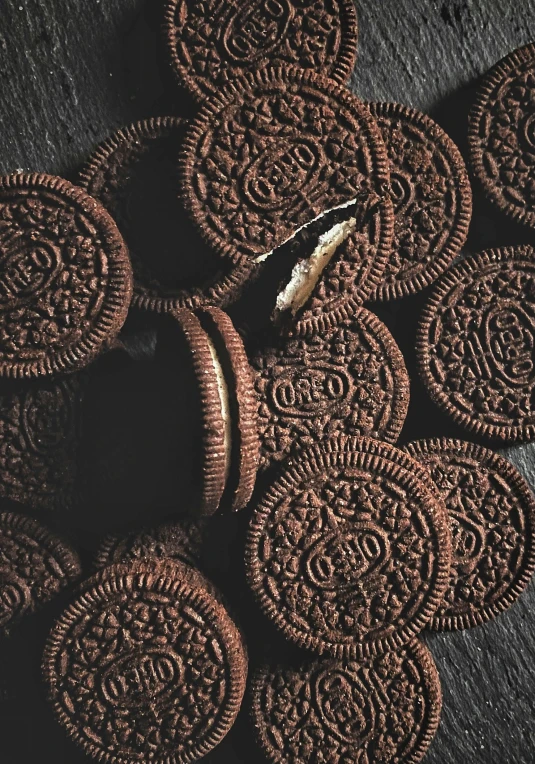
[(207, 40), (492, 517), (348, 551), (133, 174), (228, 454), (432, 199), (35, 565), (351, 379), (66, 279), (145, 665), (271, 152), (386, 710), (180, 540), (501, 134), (476, 341), (39, 436)]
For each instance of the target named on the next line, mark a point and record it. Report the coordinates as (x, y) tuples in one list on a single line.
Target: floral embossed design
[(39, 430), (431, 195), (346, 553), (382, 711), (271, 153), (144, 670), (476, 343), (349, 379), (34, 567), (502, 134), (65, 277), (207, 38), (492, 516)]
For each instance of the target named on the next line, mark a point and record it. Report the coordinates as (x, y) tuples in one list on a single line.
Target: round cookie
[(348, 551), (501, 134), (432, 199), (180, 540), (66, 277), (207, 41), (39, 437), (243, 406), (475, 344), (145, 665), (133, 174), (492, 518), (271, 152), (386, 710), (35, 565), (350, 379)]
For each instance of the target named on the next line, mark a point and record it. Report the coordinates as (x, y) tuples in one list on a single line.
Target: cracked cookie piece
[(271, 152), (432, 199), (207, 40), (475, 344), (66, 280), (146, 665), (386, 710), (501, 134), (350, 379), (348, 550), (35, 565), (133, 173), (492, 517)]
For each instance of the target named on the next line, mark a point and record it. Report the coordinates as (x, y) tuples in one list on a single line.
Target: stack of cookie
[(290, 203)]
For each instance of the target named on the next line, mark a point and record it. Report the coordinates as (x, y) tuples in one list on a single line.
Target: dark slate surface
[(72, 71)]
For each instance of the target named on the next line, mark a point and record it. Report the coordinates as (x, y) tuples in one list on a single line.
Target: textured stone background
[(73, 70)]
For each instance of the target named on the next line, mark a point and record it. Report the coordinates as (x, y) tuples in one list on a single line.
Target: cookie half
[(133, 173), (475, 344), (270, 153), (386, 710), (66, 279), (145, 664), (491, 512), (207, 41), (348, 550)]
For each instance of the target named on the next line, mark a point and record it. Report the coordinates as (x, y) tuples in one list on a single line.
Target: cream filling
[(306, 273), (222, 389), (262, 258)]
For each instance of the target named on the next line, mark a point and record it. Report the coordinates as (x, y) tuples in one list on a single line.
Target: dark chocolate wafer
[(66, 280), (476, 341), (145, 664), (492, 517), (35, 565), (206, 40), (432, 199), (501, 134), (386, 710), (348, 551), (272, 151), (351, 379), (133, 173)]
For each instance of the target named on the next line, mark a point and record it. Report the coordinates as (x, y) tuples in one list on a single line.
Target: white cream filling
[(222, 389), (306, 273), (262, 258)]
